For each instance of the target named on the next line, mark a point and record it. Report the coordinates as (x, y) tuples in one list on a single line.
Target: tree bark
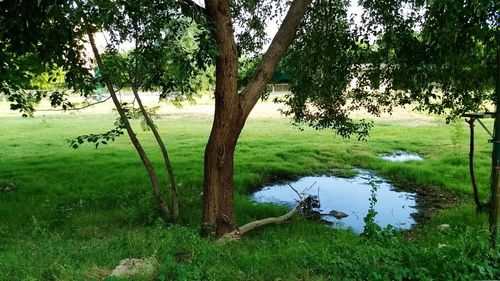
[(475, 192), (495, 173), (232, 110), (218, 201), (162, 203)]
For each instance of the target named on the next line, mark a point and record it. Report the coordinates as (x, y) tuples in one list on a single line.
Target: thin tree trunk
[(162, 203), (166, 159), (479, 204), (495, 174)]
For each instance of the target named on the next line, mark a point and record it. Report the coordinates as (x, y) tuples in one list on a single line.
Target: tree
[(441, 56), (59, 31), (232, 108), (154, 62), (446, 56)]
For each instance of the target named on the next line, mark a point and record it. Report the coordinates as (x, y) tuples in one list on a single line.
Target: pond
[(348, 196), (401, 156)]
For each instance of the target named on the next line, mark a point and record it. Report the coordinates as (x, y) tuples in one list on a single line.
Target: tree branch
[(77, 108), (283, 39), (294, 190), (227, 60), (273, 220)]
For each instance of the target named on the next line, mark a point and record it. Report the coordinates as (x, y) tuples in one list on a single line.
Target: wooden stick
[(273, 220)]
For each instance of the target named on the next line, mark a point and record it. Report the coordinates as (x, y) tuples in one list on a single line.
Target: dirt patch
[(132, 267), (430, 199)]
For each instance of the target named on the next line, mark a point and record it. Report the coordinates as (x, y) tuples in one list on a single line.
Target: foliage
[(102, 138), (459, 134), (252, 18), (52, 79), (280, 75), (246, 70), (440, 54), (171, 50), (437, 54), (321, 64), (26, 81), (135, 113), (371, 228), (26, 100), (48, 36)]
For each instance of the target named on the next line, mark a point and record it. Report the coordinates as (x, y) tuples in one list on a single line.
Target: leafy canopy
[(170, 50), (438, 54)]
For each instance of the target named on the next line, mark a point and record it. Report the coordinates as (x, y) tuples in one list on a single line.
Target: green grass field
[(74, 214)]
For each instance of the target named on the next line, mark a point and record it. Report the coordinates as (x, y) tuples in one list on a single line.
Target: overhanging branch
[(77, 108)]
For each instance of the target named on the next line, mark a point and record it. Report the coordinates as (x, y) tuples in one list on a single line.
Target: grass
[(74, 214)]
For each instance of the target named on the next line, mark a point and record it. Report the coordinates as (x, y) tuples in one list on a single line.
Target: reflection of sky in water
[(401, 156), (351, 196)]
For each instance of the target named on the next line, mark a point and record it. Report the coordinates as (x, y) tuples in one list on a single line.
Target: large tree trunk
[(218, 206), (232, 109), (218, 201)]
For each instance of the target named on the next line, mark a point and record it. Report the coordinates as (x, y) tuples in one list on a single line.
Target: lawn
[(75, 213)]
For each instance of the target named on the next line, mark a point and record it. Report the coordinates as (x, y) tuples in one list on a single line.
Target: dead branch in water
[(236, 234)]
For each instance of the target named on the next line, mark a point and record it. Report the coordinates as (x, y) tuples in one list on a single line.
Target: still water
[(350, 196), (401, 156)]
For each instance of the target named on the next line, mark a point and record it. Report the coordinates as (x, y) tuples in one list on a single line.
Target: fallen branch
[(236, 234), (295, 190)]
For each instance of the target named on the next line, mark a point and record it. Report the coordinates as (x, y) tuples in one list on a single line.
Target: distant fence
[(279, 88)]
